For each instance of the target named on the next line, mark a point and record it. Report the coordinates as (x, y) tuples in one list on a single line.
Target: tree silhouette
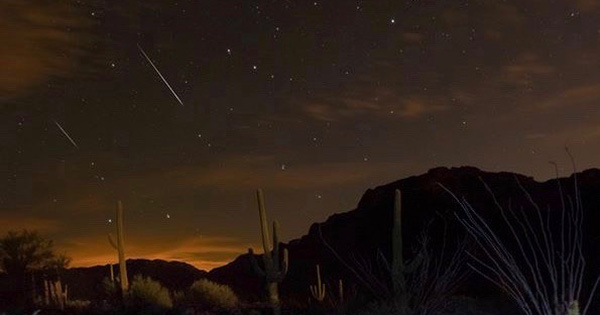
[(21, 254)]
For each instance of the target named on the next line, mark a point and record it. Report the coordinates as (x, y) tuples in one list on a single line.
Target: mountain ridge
[(365, 230)]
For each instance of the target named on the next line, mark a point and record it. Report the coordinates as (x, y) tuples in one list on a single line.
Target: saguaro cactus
[(398, 279), (120, 247), (318, 290), (399, 267), (273, 271)]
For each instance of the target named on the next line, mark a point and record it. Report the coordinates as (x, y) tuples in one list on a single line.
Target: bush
[(145, 292), (109, 288), (212, 295), (78, 304)]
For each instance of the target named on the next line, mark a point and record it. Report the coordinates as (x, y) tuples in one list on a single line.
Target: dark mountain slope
[(360, 233)]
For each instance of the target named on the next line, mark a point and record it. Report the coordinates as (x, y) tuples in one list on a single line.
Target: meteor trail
[(161, 76), (66, 134)]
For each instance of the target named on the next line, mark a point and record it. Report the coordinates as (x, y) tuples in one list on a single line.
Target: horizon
[(97, 262), (182, 110)]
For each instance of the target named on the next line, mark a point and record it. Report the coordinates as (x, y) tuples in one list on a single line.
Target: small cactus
[(274, 271), (574, 308), (318, 291)]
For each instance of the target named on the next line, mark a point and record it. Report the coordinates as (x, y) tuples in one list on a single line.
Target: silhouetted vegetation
[(211, 295), (25, 255), (148, 295), (537, 260)]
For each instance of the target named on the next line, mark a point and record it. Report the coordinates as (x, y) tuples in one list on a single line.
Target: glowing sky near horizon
[(313, 101)]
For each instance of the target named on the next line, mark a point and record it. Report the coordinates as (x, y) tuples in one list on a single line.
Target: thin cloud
[(16, 223), (381, 103), (40, 40)]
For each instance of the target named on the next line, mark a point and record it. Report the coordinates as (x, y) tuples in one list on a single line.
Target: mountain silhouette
[(361, 233)]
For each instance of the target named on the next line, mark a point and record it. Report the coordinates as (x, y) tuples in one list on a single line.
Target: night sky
[(314, 102)]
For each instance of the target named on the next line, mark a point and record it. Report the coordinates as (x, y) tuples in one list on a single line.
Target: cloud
[(40, 40), (573, 97), (378, 102), (525, 69), (587, 5), (415, 108), (584, 133), (15, 223)]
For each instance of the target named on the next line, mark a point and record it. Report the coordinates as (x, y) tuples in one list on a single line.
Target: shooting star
[(66, 134), (161, 76)]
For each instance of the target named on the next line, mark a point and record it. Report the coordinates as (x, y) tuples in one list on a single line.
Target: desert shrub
[(178, 297), (212, 295), (78, 304), (145, 292), (109, 287)]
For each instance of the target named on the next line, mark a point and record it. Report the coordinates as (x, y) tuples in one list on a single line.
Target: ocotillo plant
[(120, 247), (273, 271), (318, 290)]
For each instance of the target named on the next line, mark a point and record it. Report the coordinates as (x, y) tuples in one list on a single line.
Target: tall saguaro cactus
[(120, 247), (273, 271), (400, 268), (398, 279)]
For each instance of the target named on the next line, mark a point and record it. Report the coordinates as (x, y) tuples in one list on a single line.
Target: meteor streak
[(161, 76), (66, 134)]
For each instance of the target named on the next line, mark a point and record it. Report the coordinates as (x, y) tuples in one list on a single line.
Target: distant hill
[(86, 282), (366, 229)]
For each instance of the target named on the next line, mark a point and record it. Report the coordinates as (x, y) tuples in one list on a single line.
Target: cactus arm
[(112, 242), (286, 261), (255, 265), (275, 255), (280, 275), (318, 290)]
